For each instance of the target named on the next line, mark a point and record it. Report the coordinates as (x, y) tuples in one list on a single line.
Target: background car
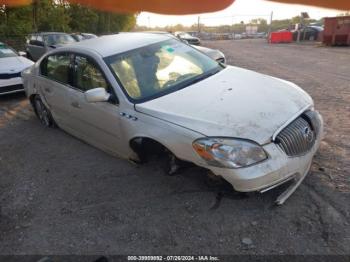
[(261, 35), (40, 43), (11, 66), (83, 36), (237, 36), (310, 33), (212, 53), (188, 38)]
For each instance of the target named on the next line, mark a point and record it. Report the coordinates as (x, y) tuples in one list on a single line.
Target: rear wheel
[(43, 112)]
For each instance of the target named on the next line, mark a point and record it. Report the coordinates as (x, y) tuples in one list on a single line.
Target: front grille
[(7, 89), (300, 135), (9, 76)]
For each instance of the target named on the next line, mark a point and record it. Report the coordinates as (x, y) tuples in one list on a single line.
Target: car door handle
[(75, 104)]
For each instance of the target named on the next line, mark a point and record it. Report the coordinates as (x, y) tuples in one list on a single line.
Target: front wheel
[(43, 112)]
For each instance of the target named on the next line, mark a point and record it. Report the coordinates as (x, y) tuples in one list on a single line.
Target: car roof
[(114, 44), (49, 33)]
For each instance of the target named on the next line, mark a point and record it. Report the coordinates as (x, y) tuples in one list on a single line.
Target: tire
[(43, 113)]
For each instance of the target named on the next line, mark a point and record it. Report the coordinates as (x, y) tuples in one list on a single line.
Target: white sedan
[(11, 66), (137, 94)]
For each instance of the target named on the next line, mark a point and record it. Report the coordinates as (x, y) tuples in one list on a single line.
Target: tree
[(53, 16), (60, 15), (83, 19), (261, 23), (15, 20)]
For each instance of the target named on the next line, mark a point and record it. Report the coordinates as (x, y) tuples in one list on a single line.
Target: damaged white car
[(133, 94)]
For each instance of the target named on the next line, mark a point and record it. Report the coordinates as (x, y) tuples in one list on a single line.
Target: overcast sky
[(241, 10)]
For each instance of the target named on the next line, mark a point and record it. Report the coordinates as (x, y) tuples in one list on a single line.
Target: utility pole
[(270, 25), (232, 32), (198, 25), (299, 29)]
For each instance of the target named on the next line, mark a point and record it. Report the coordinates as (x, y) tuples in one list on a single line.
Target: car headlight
[(229, 153)]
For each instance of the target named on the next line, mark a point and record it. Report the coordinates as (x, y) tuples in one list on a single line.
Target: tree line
[(60, 15), (261, 23)]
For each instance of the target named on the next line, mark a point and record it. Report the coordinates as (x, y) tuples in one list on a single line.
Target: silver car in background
[(212, 53), (39, 43), (137, 94)]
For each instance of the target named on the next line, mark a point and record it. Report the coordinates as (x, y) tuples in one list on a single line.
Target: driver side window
[(87, 75)]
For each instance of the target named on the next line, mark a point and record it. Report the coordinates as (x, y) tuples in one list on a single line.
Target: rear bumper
[(276, 170)]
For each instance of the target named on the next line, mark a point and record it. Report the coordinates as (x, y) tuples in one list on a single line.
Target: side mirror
[(21, 53), (97, 95)]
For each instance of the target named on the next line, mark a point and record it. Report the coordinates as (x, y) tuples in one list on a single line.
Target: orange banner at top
[(179, 7)]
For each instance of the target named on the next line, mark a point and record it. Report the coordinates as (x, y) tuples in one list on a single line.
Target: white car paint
[(13, 65), (234, 103), (223, 99)]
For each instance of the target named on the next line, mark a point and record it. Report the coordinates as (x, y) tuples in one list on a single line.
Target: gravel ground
[(59, 195)]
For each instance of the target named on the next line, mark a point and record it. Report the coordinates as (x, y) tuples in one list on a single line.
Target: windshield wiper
[(199, 78)]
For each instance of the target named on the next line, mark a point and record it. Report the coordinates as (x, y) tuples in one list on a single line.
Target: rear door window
[(57, 67)]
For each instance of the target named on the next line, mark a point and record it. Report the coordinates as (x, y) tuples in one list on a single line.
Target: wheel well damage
[(148, 149), (145, 148)]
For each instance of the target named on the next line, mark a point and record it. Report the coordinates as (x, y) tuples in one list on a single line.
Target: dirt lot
[(61, 196)]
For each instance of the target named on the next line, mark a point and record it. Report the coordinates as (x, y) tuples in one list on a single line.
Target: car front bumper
[(12, 85), (274, 171)]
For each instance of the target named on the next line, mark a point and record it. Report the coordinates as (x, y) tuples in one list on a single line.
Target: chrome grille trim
[(315, 120), (300, 135), (296, 115)]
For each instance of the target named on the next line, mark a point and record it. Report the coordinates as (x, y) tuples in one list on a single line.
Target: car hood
[(14, 64), (232, 103)]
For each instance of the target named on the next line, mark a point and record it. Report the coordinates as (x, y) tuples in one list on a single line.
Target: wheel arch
[(142, 145)]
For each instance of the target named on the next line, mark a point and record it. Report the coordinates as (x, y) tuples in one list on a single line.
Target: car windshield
[(158, 69), (6, 51), (59, 39)]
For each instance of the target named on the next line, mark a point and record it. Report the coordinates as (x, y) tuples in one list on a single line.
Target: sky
[(240, 10)]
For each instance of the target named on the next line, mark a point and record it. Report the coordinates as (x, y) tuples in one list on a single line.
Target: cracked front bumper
[(276, 170)]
